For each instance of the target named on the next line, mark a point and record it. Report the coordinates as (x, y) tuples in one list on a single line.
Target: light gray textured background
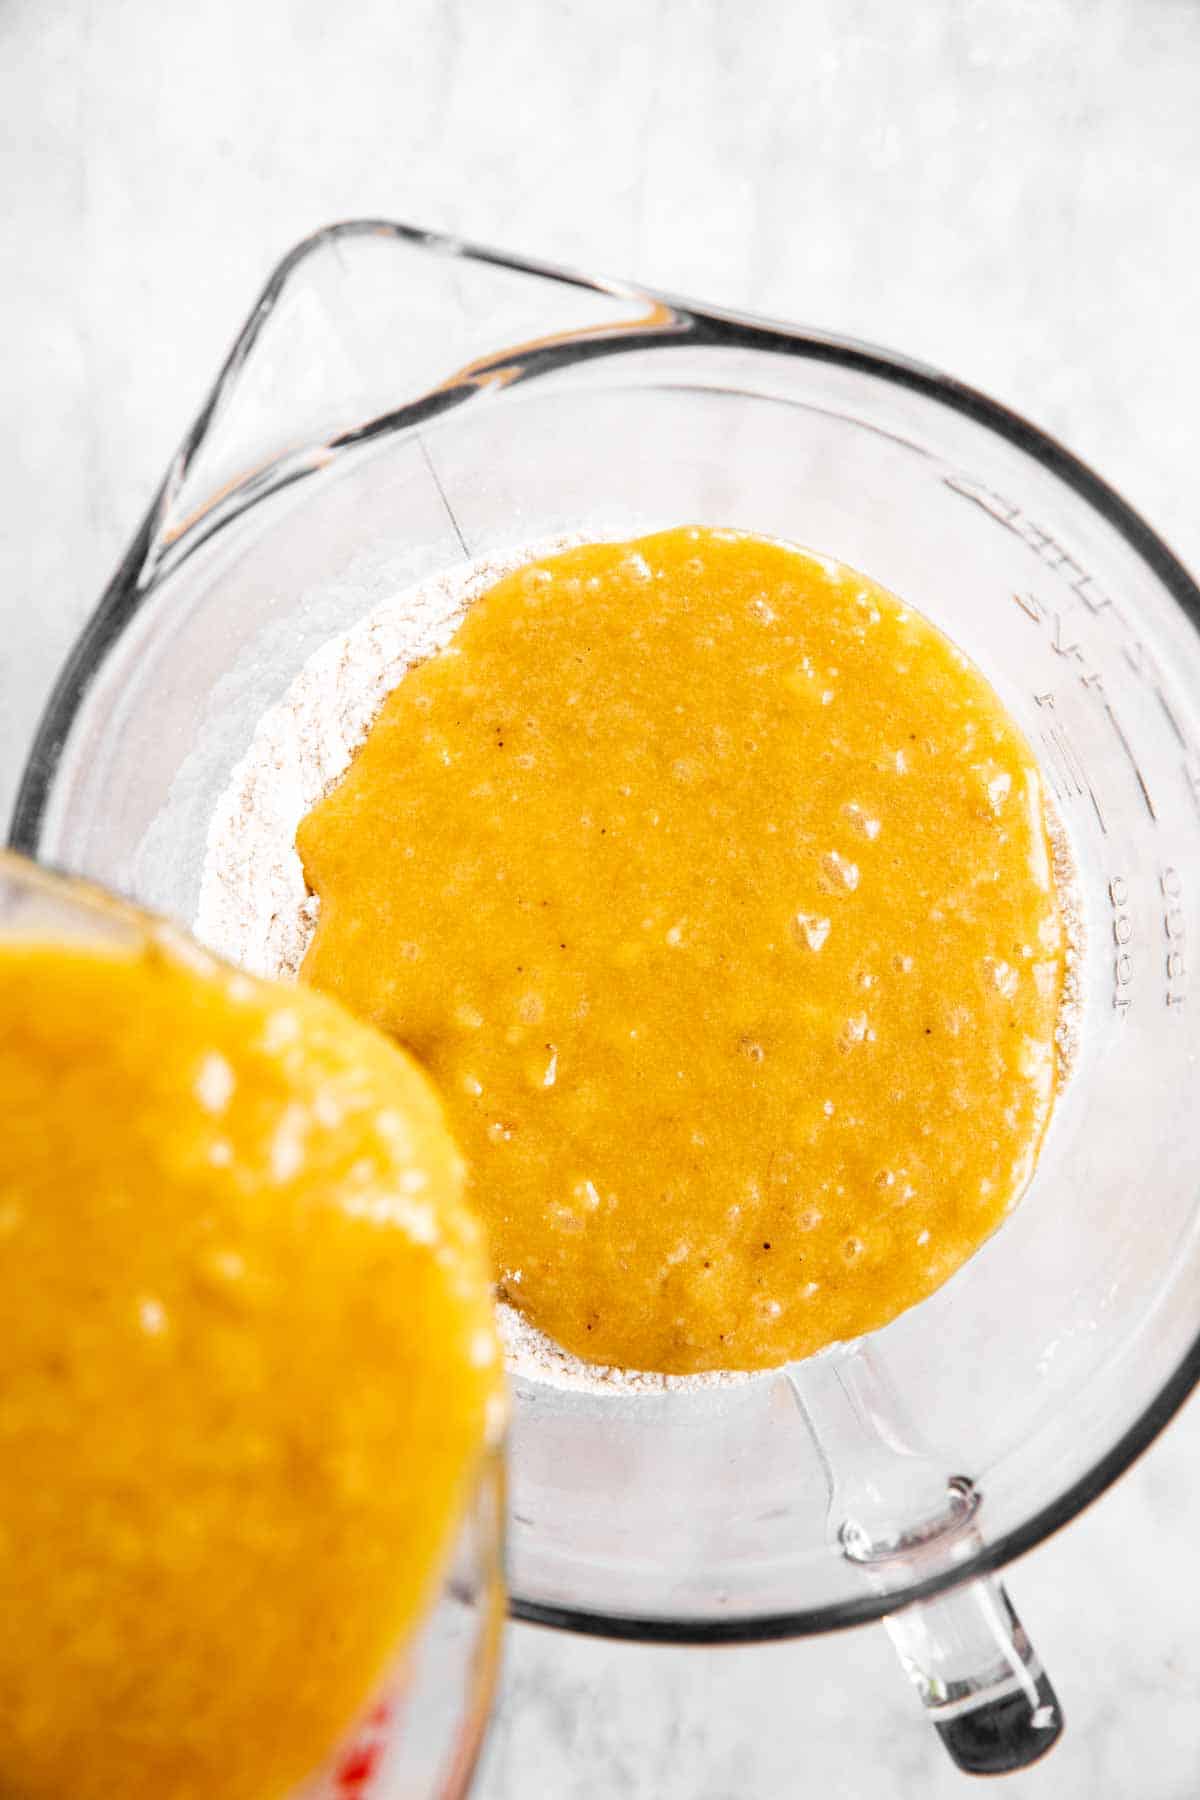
[(1010, 190)]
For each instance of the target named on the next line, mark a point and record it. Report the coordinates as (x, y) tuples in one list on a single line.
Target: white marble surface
[(1009, 189)]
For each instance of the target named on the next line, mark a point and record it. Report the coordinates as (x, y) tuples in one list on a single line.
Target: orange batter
[(245, 1369), (713, 885)]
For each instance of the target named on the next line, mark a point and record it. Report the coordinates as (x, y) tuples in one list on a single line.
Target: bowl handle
[(978, 1677), (896, 1515)]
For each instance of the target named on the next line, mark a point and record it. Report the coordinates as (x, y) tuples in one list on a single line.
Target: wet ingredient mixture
[(713, 885), (246, 1372)]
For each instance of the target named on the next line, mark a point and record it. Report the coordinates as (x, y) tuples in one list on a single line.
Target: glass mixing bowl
[(398, 401), (422, 1731)]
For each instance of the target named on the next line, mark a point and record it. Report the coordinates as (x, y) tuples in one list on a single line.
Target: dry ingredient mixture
[(228, 1216), (750, 863)]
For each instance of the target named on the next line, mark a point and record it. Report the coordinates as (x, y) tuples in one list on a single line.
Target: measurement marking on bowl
[(1068, 774), (1171, 898), (1141, 660), (361, 1761), (437, 482), (1133, 761), (1122, 934), (1062, 641), (1060, 780), (1070, 781), (1043, 544), (1065, 643), (1175, 931), (1172, 721)]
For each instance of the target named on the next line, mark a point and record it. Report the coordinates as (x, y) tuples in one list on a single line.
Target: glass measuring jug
[(398, 401)]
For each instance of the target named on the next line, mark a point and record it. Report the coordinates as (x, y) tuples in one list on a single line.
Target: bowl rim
[(668, 319)]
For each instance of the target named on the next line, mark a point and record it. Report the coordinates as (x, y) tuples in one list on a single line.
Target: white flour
[(255, 910)]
